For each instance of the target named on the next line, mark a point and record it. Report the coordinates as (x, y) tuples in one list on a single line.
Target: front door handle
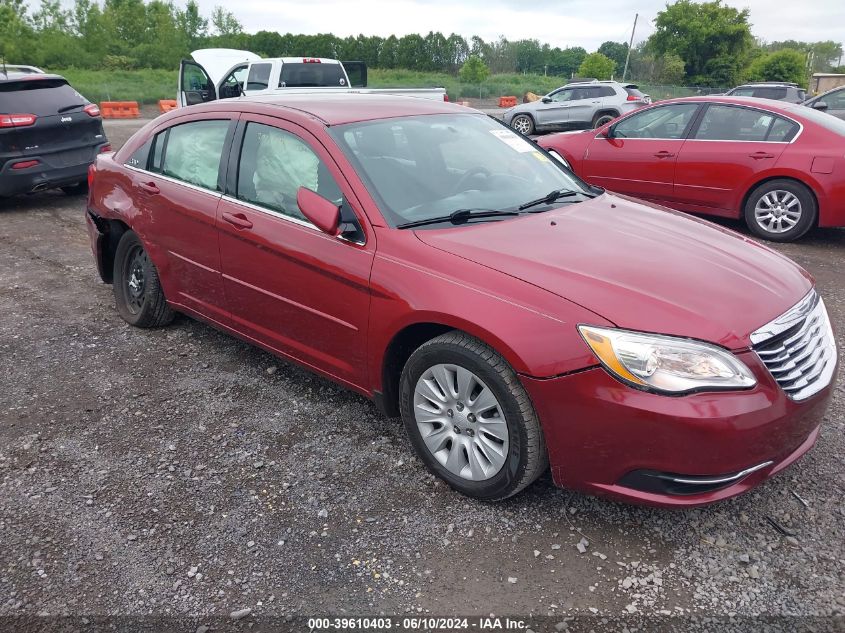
[(664, 154), (761, 155), (149, 187), (237, 219)]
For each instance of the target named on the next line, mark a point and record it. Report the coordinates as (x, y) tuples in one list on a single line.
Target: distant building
[(822, 82)]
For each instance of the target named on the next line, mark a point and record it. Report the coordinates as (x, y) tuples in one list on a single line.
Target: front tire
[(523, 124), (137, 289), (780, 210), (469, 418)]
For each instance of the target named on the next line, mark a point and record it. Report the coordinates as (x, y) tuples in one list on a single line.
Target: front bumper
[(52, 171), (606, 438)]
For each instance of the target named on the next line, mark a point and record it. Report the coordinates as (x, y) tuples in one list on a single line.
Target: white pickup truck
[(220, 73)]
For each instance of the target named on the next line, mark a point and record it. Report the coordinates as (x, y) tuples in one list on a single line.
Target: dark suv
[(770, 90), (49, 134)]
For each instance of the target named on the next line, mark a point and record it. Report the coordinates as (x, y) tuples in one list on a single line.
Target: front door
[(639, 157), (195, 86), (288, 285)]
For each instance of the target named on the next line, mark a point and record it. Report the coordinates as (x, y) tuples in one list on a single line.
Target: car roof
[(15, 76), (785, 108), (347, 107), (768, 84)]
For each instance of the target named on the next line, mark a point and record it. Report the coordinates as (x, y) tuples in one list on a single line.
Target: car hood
[(640, 266)]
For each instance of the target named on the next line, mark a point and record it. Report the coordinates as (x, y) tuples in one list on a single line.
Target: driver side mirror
[(322, 213), (820, 105), (546, 99)]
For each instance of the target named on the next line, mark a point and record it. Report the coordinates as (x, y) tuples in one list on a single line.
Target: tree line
[(694, 43)]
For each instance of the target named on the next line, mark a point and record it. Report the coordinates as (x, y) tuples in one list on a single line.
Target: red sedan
[(431, 259), (779, 166)]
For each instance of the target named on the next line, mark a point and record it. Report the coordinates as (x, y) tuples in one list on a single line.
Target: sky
[(562, 23)]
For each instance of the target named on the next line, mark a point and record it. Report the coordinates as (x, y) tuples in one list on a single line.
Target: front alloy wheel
[(523, 124), (470, 419)]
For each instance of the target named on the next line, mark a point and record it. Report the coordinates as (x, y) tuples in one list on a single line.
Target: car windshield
[(424, 167)]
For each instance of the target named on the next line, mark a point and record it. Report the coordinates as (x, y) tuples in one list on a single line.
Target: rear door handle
[(149, 187), (237, 219), (759, 155), (664, 154)]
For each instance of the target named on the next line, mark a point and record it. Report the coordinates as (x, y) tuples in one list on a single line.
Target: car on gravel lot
[(583, 104), (49, 134), (428, 257), (776, 90), (832, 102), (776, 165)]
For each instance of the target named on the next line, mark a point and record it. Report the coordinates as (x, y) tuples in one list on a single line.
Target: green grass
[(148, 86), (143, 86)]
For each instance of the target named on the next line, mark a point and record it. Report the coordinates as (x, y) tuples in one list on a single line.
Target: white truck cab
[(222, 73)]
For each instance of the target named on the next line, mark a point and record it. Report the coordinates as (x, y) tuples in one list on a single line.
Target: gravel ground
[(179, 472)]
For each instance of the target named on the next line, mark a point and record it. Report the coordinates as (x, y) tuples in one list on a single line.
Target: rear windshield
[(771, 92), (312, 75), (42, 97), (634, 91)]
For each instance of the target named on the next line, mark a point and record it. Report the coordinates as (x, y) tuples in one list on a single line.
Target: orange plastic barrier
[(166, 105), (507, 102), (120, 109)]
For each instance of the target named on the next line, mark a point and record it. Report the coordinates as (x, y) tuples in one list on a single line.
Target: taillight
[(633, 98), (105, 148), (17, 120), (445, 97), (311, 60), (91, 170), (25, 164), (92, 109)]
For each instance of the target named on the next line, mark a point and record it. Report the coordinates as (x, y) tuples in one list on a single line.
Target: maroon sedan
[(431, 259), (779, 166)]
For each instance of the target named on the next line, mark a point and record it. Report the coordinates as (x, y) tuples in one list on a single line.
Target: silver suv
[(778, 90), (577, 105)]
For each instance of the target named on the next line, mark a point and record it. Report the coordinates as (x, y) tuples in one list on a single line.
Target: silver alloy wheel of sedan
[(461, 422), (778, 211), (523, 124)]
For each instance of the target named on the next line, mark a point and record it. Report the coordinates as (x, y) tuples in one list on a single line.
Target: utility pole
[(630, 45)]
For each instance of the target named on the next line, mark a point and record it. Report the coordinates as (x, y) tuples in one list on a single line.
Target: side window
[(259, 77), (274, 164), (663, 122), (729, 123), (835, 100), (562, 95), (140, 156), (192, 152), (232, 85)]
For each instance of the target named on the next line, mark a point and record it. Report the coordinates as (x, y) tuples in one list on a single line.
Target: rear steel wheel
[(137, 289)]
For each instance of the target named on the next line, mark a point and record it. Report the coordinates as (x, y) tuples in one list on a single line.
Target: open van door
[(195, 86), (357, 73)]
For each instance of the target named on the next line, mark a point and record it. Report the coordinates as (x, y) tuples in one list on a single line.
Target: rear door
[(52, 122), (584, 104), (195, 84), (178, 187), (726, 151), (639, 159), (288, 285)]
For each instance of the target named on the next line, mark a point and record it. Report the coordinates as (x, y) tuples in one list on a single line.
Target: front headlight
[(666, 364)]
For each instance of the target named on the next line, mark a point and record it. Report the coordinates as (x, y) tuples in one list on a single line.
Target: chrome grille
[(798, 348)]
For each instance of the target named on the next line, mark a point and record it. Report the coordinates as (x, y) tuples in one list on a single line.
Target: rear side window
[(41, 97), (607, 91), (259, 77), (192, 152), (274, 164), (730, 123), (770, 93), (140, 156), (311, 75)]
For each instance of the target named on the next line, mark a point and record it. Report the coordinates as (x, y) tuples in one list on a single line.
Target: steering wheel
[(470, 173)]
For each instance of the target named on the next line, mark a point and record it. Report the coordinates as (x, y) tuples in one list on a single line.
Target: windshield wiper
[(457, 217), (553, 196)]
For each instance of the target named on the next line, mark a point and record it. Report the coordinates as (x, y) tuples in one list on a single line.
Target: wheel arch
[(606, 111), (409, 337), (112, 231)]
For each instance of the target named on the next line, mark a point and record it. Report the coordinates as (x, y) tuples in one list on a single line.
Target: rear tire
[(780, 210), (137, 290), (523, 124), (602, 118), (480, 433), (78, 189)]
